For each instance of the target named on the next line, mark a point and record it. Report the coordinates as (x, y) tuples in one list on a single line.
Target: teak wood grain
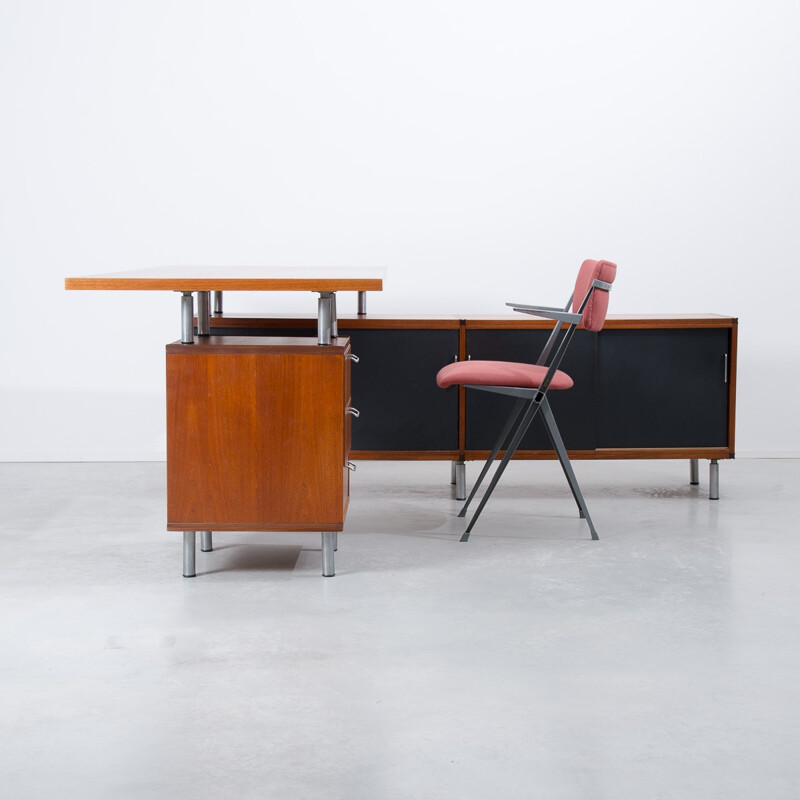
[(225, 278), (256, 440)]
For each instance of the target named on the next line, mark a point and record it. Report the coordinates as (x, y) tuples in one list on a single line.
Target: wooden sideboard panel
[(257, 435)]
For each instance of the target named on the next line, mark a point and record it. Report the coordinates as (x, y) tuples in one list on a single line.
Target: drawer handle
[(351, 466), (353, 357), (354, 411)]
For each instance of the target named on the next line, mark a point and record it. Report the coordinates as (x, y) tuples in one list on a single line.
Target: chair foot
[(464, 536)]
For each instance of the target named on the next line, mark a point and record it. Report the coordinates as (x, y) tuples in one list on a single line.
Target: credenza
[(646, 386)]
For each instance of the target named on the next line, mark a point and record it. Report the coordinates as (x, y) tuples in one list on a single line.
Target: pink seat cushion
[(594, 315), (499, 373)]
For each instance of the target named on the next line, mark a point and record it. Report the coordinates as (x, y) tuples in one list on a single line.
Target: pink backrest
[(594, 314)]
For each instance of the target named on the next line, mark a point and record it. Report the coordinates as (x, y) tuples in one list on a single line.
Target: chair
[(530, 383)]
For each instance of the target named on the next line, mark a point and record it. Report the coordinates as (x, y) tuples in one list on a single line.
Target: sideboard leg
[(694, 471), (328, 547), (713, 480), (206, 542), (362, 304), (187, 318), (217, 298), (461, 480), (188, 554), (203, 314)]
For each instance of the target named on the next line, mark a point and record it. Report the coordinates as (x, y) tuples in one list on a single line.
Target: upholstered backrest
[(594, 314)]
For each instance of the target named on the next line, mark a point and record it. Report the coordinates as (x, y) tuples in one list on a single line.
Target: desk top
[(248, 279)]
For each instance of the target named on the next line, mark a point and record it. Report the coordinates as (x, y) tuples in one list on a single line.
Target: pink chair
[(529, 383)]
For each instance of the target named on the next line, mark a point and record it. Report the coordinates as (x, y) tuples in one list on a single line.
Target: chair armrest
[(547, 312)]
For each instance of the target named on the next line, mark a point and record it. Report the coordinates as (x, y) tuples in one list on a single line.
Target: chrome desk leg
[(187, 318), (334, 317), (206, 542), (203, 314), (694, 471), (188, 554), (362, 304), (327, 553), (217, 298), (324, 318), (453, 472), (461, 480), (713, 480), (335, 540)]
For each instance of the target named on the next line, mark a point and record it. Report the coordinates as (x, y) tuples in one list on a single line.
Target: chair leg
[(512, 418), (521, 430), (566, 465)]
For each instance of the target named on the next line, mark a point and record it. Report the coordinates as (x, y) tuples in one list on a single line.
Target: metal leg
[(566, 465), (206, 543), (335, 540), (512, 418), (324, 312), (362, 304), (694, 471), (187, 318), (521, 430), (453, 472), (217, 298), (327, 553), (713, 480), (188, 554), (203, 314), (461, 480), (334, 318)]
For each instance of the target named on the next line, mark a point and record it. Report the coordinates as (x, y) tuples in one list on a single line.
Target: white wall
[(479, 151)]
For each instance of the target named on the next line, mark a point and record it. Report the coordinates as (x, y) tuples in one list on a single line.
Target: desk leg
[(203, 314), (187, 318), (694, 471), (324, 317), (217, 298), (188, 554), (334, 317), (328, 546), (362, 304), (206, 542)]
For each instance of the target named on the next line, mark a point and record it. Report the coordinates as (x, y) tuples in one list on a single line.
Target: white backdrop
[(479, 151)]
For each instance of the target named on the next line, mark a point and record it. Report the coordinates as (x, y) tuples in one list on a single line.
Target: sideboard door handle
[(353, 357), (354, 411)]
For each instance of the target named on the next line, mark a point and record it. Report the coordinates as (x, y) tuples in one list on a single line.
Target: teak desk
[(258, 428)]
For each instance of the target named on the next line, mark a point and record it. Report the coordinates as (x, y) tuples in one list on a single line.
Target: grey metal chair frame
[(530, 402)]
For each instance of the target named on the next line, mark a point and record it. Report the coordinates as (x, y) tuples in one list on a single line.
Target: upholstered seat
[(500, 373)]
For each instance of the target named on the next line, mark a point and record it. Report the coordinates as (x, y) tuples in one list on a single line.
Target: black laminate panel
[(394, 388), (572, 408), (663, 388)]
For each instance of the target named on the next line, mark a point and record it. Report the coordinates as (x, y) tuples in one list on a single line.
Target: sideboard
[(646, 386)]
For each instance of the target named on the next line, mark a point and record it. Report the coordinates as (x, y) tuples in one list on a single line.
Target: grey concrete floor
[(531, 662)]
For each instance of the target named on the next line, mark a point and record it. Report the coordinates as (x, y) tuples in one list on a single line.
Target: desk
[(258, 430), (325, 281)]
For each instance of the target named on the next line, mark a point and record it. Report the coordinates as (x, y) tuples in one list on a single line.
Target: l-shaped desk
[(261, 422)]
